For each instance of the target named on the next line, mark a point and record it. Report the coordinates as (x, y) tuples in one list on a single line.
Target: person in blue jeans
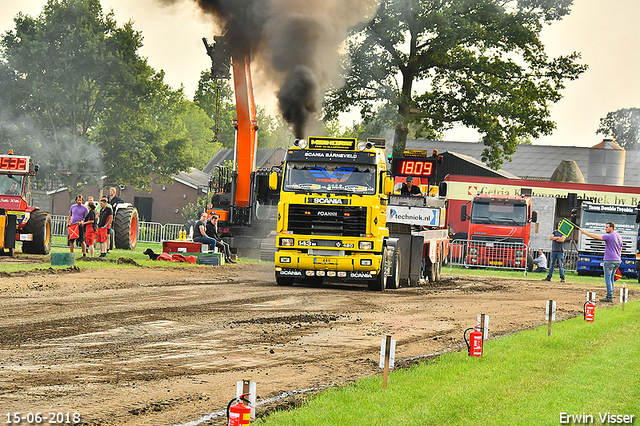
[(612, 256), (200, 234), (557, 253)]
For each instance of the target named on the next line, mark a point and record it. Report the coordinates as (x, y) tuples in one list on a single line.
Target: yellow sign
[(332, 143)]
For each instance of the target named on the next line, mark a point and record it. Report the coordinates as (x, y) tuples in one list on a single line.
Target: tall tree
[(478, 63), (88, 104), (622, 125)]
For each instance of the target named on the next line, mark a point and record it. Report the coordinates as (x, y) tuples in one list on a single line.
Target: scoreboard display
[(14, 164), (416, 167)]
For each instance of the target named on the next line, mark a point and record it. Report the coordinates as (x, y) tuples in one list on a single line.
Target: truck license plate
[(495, 262), (324, 260)]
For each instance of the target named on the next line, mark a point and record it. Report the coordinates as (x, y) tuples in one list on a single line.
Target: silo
[(606, 163), (567, 171)]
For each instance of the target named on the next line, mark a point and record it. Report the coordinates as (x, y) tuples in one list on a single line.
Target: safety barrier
[(489, 254), (148, 232)]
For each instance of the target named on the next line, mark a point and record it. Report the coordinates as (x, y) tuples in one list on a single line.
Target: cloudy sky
[(605, 32)]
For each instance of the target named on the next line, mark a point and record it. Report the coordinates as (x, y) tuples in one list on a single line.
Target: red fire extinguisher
[(589, 310), (239, 413), (474, 344)]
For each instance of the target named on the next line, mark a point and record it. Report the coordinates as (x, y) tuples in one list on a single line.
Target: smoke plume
[(296, 41)]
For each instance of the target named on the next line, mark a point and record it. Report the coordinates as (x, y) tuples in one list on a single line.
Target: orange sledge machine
[(241, 194)]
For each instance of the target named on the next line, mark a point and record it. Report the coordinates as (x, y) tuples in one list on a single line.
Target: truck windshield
[(499, 214), (11, 184), (330, 178), (596, 221)]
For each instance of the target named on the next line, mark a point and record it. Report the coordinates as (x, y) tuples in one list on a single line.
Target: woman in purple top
[(612, 256), (77, 213)]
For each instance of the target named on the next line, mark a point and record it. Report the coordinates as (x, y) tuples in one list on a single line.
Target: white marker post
[(624, 294), (591, 296), (550, 314), (483, 320), (387, 357), (246, 386)]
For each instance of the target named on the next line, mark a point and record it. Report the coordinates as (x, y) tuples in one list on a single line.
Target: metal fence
[(487, 254), (148, 232)]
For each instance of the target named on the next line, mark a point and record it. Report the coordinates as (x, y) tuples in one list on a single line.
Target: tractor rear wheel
[(125, 226), (39, 225)]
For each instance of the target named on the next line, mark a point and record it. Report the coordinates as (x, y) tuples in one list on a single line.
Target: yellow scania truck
[(335, 220)]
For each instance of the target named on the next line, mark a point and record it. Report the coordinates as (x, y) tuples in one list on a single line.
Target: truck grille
[(346, 221)]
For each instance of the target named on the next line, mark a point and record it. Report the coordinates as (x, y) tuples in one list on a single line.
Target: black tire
[(380, 283), (125, 226), (285, 281), (39, 225), (268, 249), (393, 282), (529, 263)]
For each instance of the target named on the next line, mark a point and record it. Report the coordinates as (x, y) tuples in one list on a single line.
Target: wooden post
[(624, 293), (550, 314), (387, 357)]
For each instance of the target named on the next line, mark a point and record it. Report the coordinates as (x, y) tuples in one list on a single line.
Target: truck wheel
[(40, 226), (394, 279), (268, 249), (125, 226), (380, 283), (285, 281), (529, 263)]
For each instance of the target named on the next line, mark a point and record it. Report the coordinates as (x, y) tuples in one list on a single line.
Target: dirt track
[(158, 346)]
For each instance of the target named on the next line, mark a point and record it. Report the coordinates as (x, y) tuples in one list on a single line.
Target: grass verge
[(527, 378)]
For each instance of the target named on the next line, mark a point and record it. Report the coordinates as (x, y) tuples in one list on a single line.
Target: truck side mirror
[(463, 212), (273, 181), (388, 185), (638, 214), (534, 216), (442, 189)]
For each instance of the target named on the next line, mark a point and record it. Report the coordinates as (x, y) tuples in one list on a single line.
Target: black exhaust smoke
[(295, 41)]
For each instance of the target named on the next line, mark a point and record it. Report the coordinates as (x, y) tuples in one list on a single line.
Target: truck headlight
[(287, 242), (473, 250), (285, 260), (365, 262), (365, 245), (584, 259), (519, 253)]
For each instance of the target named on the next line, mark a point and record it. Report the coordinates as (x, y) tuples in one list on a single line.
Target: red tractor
[(19, 221)]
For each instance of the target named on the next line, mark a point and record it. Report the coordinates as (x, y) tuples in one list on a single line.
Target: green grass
[(136, 255), (571, 277), (527, 378)]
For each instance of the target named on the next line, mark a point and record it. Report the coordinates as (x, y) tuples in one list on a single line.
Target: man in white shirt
[(540, 262)]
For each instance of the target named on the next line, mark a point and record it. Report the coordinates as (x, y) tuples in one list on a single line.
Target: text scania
[(327, 200)]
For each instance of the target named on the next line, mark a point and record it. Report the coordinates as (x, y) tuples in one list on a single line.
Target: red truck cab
[(499, 230)]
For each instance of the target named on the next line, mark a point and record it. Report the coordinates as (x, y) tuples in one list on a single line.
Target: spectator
[(557, 253), (77, 213), (540, 262), (90, 227), (612, 256), (200, 234), (212, 231), (104, 224)]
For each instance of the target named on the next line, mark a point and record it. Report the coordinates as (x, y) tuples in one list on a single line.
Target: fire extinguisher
[(589, 310), (474, 344), (239, 413)]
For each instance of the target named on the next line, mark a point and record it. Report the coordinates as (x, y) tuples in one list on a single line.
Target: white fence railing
[(148, 232)]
